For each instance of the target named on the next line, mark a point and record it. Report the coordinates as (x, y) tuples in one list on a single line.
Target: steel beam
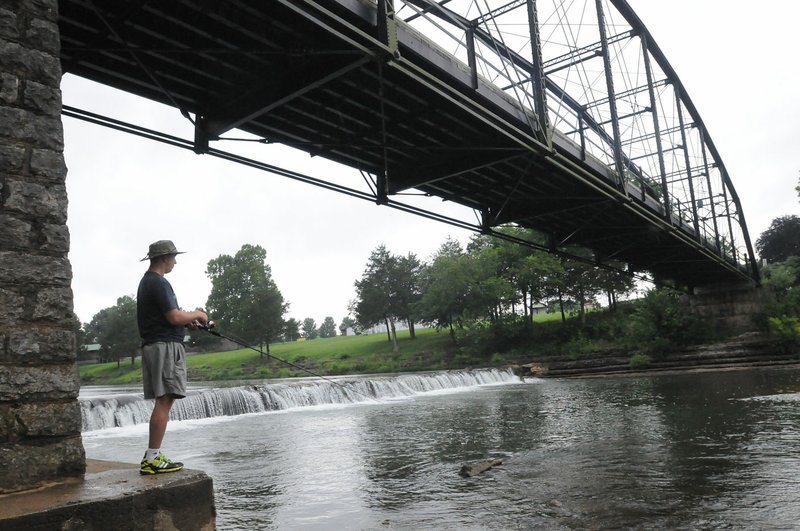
[(612, 99), (222, 119), (688, 164), (537, 76)]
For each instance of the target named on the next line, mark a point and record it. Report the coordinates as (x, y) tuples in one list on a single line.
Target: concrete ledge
[(114, 496)]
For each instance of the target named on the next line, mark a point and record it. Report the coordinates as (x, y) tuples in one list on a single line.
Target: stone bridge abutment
[(730, 307), (44, 481), (40, 423)]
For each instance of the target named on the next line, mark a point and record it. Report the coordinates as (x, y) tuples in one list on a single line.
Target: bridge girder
[(371, 88)]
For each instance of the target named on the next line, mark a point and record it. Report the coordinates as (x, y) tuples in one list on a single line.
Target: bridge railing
[(608, 89)]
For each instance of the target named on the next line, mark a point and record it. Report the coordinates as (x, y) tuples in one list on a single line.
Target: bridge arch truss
[(561, 116)]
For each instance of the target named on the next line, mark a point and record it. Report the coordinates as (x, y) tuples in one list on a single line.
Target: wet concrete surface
[(114, 496)]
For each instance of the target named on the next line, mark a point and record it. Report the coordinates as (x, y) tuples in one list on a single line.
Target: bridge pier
[(44, 483), (730, 306), (40, 419)]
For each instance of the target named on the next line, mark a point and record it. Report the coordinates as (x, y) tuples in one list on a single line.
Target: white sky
[(735, 58)]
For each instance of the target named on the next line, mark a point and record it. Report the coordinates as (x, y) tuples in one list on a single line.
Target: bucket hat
[(161, 248)]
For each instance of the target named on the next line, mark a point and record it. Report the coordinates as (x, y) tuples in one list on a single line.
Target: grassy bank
[(430, 350), (635, 335)]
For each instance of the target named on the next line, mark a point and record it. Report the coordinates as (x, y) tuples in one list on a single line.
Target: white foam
[(119, 413)]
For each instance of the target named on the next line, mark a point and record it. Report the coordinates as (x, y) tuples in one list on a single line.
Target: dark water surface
[(712, 450)]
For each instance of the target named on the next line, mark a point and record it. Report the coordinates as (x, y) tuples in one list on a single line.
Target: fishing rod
[(209, 327)]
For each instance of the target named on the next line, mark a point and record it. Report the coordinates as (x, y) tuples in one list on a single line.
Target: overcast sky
[(735, 58)]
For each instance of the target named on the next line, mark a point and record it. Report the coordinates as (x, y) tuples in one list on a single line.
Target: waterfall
[(126, 410)]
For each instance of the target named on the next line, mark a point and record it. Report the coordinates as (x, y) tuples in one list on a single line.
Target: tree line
[(489, 280)]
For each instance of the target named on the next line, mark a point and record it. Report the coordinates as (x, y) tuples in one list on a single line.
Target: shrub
[(787, 329), (497, 359), (579, 347), (662, 321), (781, 317), (640, 361)]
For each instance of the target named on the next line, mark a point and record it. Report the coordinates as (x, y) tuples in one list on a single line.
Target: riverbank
[(747, 350), (432, 350)]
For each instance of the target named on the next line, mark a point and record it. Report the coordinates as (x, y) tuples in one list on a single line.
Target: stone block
[(12, 158), (12, 306), (16, 232), (39, 130), (30, 64), (45, 9), (9, 89), (8, 24), (42, 99), (53, 238), (27, 465), (46, 382), (47, 203), (24, 268), (53, 304), (48, 164), (41, 419), (43, 35), (35, 345), (33, 9), (6, 423)]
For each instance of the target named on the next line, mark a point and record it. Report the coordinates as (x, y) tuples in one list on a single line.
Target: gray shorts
[(164, 369)]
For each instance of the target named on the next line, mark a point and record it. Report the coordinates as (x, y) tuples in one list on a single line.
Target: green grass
[(110, 374), (547, 317), (430, 350), (373, 353)]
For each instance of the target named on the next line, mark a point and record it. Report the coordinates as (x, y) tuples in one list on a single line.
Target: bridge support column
[(730, 307), (40, 417)]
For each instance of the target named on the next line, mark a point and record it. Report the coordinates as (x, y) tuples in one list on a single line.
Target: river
[(704, 450)]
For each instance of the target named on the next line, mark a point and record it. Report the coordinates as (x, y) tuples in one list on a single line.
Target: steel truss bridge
[(560, 116)]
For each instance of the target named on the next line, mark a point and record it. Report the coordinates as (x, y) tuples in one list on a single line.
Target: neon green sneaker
[(159, 465)]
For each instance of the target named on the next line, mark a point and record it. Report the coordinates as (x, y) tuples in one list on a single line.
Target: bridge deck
[(310, 74)]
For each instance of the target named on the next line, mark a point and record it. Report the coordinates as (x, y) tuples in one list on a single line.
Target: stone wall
[(730, 307), (39, 411)]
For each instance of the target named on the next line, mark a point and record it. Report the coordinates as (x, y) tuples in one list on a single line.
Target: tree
[(80, 333), (445, 285), (291, 330), (371, 305), (783, 276), (581, 284), (405, 280), (492, 289), (781, 240), (782, 315), (347, 322), (202, 340), (388, 291), (116, 331), (662, 321), (614, 284), (327, 328), (244, 299), (797, 188), (310, 328), (534, 273)]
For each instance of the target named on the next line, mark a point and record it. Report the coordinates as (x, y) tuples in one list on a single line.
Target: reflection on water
[(713, 450)]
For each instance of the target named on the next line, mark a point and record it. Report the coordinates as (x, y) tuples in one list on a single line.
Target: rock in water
[(473, 469)]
